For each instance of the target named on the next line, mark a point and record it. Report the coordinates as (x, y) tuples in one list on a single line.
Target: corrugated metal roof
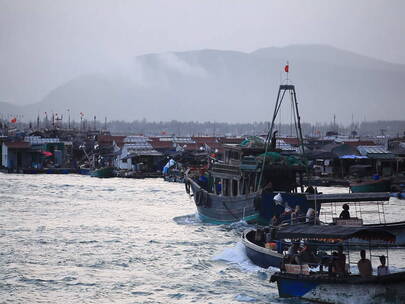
[(364, 150)]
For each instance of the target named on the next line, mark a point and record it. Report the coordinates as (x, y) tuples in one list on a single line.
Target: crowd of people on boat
[(336, 262)]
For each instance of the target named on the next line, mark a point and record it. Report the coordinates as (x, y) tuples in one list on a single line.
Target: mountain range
[(229, 86)]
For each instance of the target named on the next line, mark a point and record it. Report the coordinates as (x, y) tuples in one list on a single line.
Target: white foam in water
[(191, 219), (239, 224), (244, 298), (237, 255)]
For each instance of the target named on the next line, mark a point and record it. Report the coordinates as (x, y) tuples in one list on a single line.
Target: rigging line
[(291, 119), (276, 108)]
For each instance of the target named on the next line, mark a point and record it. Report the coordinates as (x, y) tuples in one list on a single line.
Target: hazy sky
[(44, 43)]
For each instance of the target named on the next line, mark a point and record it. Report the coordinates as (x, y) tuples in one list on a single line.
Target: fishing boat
[(299, 281), (265, 252), (379, 185), (103, 172), (237, 187)]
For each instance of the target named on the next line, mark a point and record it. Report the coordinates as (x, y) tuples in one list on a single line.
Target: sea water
[(78, 239)]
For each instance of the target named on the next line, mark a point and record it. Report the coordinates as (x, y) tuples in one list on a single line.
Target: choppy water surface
[(77, 239)]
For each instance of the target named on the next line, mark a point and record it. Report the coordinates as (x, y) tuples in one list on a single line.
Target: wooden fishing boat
[(231, 190), (337, 288)]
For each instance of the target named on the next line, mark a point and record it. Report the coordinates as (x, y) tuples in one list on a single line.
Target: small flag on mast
[(286, 68), (13, 120)]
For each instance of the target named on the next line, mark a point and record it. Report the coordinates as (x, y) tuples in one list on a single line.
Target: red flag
[(13, 120), (286, 68)]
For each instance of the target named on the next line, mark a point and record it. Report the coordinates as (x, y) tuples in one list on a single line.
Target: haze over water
[(77, 239)]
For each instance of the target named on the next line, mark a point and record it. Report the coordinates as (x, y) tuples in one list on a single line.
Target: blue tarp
[(353, 157)]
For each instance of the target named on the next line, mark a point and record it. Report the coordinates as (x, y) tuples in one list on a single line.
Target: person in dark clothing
[(345, 214), (364, 265), (339, 261)]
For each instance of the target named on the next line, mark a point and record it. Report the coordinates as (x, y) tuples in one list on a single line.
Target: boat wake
[(191, 219), (237, 256)]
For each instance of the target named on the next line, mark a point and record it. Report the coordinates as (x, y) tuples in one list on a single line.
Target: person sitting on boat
[(364, 265), (292, 253), (306, 255), (345, 214), (382, 269), (339, 261), (274, 221), (286, 215), (310, 216), (296, 216)]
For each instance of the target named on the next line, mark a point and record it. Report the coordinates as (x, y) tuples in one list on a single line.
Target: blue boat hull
[(260, 256), (374, 290)]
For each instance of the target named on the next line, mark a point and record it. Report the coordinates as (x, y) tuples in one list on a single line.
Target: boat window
[(234, 187), (225, 190), (217, 186)]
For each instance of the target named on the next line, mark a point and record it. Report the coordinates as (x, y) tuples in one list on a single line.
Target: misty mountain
[(213, 85)]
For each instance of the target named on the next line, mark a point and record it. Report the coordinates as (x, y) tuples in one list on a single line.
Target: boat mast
[(283, 89)]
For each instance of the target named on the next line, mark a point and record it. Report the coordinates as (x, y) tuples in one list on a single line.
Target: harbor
[(265, 195), (129, 241), (232, 152)]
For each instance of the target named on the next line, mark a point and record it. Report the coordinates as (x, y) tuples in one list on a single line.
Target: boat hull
[(370, 291), (260, 256), (216, 209)]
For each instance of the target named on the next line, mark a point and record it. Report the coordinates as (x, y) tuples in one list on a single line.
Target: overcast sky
[(44, 43)]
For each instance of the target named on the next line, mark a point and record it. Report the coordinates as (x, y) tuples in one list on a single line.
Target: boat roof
[(331, 233)]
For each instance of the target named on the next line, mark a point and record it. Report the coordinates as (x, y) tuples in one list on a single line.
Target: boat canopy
[(332, 233)]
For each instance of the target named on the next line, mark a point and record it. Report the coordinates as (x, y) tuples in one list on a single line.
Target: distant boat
[(103, 172), (380, 185)]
